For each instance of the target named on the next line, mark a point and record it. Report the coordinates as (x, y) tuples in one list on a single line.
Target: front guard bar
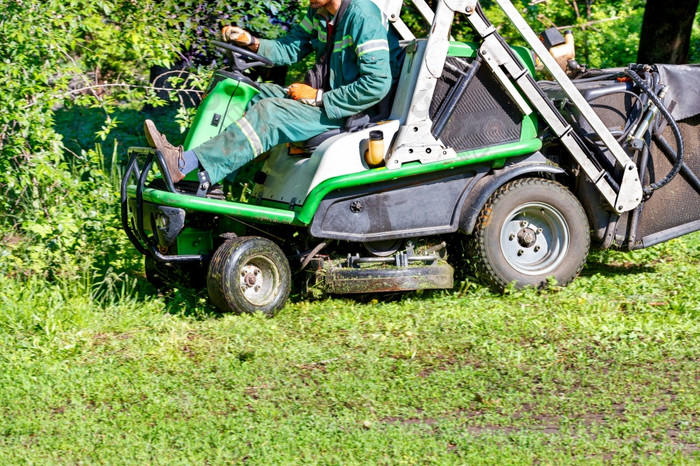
[(134, 227)]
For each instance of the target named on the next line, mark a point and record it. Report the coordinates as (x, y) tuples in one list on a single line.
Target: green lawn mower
[(470, 146)]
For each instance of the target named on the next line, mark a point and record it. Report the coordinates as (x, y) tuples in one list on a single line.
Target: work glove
[(238, 36), (306, 94)]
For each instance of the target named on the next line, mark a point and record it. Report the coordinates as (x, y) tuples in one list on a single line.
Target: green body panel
[(470, 49), (462, 49), (194, 241), (216, 206), (228, 98), (529, 127), (496, 155), (225, 102)]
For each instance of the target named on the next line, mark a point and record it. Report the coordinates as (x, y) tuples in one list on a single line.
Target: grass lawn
[(605, 370)]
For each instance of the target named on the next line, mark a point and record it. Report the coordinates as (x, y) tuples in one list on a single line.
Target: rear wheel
[(249, 274), (529, 230)]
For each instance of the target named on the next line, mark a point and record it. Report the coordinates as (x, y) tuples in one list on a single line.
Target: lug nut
[(523, 224), (521, 252), (511, 237), (537, 248), (539, 231)]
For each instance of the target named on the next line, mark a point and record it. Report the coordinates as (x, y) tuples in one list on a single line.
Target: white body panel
[(290, 179)]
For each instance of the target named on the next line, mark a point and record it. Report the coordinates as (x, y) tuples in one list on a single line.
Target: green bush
[(58, 198)]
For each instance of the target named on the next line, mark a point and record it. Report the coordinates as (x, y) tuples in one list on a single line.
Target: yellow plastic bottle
[(375, 154)]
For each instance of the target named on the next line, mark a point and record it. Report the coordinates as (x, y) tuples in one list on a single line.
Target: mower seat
[(355, 122)]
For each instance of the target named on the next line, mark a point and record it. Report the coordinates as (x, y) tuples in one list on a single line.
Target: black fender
[(535, 164)]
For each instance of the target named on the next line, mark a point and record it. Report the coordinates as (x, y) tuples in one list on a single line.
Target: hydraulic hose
[(674, 127), (628, 127)]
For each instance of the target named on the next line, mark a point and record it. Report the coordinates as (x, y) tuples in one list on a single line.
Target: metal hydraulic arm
[(415, 140), (497, 54)]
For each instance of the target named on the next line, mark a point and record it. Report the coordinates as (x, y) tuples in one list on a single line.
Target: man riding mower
[(361, 179), (355, 76)]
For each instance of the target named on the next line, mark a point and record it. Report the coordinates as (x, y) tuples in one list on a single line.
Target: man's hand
[(239, 37), (306, 94)]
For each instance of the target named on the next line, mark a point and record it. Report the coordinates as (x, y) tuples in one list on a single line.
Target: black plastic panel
[(485, 114), (677, 203), (422, 205)]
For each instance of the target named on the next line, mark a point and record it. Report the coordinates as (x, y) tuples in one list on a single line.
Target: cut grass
[(605, 370)]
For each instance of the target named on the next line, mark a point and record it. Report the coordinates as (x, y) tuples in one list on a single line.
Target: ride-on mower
[(470, 146)]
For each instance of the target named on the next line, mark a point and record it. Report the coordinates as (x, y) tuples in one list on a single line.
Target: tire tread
[(483, 268)]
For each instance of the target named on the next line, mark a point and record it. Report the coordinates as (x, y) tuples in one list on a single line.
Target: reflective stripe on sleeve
[(372, 46), (341, 44), (306, 24), (320, 29), (251, 135)]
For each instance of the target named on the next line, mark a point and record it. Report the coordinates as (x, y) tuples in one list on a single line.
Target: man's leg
[(179, 162), (269, 122), (267, 91)]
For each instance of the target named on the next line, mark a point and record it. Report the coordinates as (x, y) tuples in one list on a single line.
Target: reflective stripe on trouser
[(270, 120)]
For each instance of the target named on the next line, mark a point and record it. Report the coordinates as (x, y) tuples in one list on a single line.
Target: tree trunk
[(666, 30)]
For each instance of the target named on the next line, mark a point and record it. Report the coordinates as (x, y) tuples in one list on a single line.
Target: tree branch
[(92, 88), (590, 23)]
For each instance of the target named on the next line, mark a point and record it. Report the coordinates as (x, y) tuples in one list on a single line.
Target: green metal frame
[(304, 215)]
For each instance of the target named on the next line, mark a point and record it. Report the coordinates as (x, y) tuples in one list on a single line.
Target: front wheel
[(249, 274), (529, 230)]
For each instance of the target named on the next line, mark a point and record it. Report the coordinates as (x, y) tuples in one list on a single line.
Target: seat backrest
[(356, 122)]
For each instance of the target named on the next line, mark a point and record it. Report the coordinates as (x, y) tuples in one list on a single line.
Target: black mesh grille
[(485, 114), (676, 203)]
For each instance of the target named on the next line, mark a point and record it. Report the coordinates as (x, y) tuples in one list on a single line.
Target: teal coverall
[(361, 74)]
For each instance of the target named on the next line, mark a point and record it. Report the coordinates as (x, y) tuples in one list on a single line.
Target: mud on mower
[(527, 172)]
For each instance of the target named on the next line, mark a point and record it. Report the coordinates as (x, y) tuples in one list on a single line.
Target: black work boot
[(172, 155)]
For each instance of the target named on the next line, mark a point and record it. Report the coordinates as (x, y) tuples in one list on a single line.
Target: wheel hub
[(534, 238), (527, 237), (251, 279)]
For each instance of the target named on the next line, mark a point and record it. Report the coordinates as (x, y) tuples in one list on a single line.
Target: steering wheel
[(242, 58)]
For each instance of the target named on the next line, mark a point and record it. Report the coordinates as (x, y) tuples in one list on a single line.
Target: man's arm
[(369, 38), (293, 47)]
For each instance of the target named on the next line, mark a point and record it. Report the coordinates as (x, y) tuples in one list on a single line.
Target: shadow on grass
[(80, 126), (181, 299), (615, 269), (193, 304)]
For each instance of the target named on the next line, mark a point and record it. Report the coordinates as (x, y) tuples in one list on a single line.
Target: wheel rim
[(534, 238), (259, 280)]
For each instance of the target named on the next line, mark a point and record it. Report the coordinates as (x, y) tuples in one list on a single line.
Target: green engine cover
[(194, 241), (225, 101)]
